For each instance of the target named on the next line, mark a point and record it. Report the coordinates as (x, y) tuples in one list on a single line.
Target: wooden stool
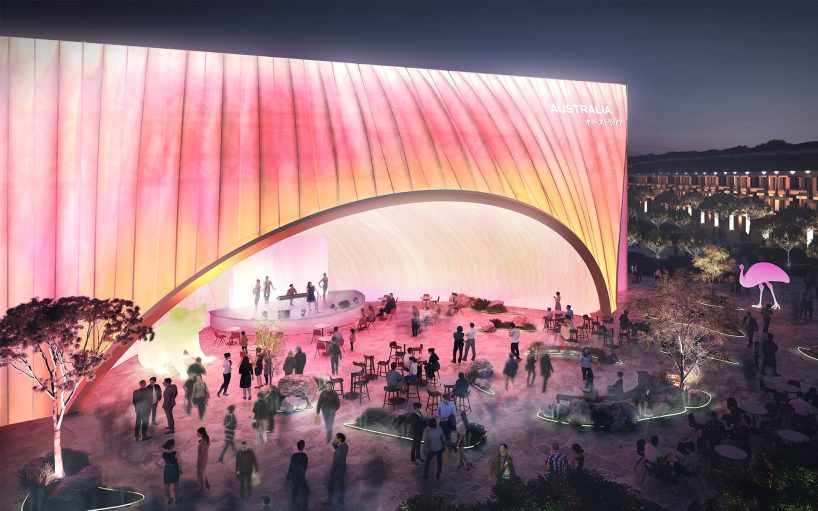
[(393, 397), (416, 386), (383, 367), (625, 338), (369, 366), (432, 378), (338, 382), (393, 347), (432, 400), (462, 403), (448, 389), (583, 332), (362, 384), (572, 335)]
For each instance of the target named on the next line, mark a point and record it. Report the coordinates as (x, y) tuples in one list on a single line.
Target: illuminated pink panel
[(308, 191), (326, 172), (284, 143), (268, 166), (338, 135), (4, 172)]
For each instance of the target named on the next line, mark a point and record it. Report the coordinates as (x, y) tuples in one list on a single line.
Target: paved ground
[(380, 475)]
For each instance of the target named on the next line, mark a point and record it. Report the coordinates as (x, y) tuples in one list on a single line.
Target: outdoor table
[(792, 436), (731, 452), (326, 340), (755, 410), (321, 326), (789, 389), (425, 299)]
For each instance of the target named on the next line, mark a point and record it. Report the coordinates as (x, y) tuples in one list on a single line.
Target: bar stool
[(393, 348), (583, 332), (448, 389), (572, 335), (335, 383), (399, 358), (432, 400), (462, 403), (362, 384), (625, 338), (393, 397), (410, 385), (432, 378), (383, 367), (369, 366)]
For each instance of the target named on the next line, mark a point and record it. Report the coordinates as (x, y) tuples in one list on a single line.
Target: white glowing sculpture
[(747, 224), (763, 274), (177, 339), (810, 235), (732, 222), (701, 217)]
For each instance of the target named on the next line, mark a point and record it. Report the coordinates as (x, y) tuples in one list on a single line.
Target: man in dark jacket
[(297, 476), (168, 402), (418, 425), (246, 464), (328, 404), (338, 471), (545, 370), (156, 396), (751, 326), (142, 399), (300, 360), (768, 349)]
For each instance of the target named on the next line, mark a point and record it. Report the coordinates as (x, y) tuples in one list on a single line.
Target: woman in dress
[(557, 304), (172, 471), (259, 367), (311, 297), (201, 459), (245, 376)]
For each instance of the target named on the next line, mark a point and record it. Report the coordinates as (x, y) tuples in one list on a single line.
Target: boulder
[(579, 412), (520, 320), (480, 368), (495, 303), (482, 383), (488, 327), (292, 404), (72, 492), (298, 385)]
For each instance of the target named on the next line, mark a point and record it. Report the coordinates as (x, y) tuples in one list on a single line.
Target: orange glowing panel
[(140, 172)]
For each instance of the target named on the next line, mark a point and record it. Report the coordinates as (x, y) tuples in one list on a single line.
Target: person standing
[(768, 350), (585, 360), (311, 297), (200, 395), (434, 440), (338, 470), (268, 367), (171, 472), (530, 368), (767, 316), (328, 405), (510, 370), (751, 326), (545, 370), (502, 465), (227, 370), (557, 304), (259, 367), (289, 364), (418, 423), (243, 341), (334, 356), (447, 416), (257, 293), (230, 423), (415, 321), (557, 462), (324, 283), (462, 431), (142, 398), (202, 454), (271, 397), (471, 335), (156, 396), (432, 364), (268, 287), (514, 334), (245, 376), (168, 402), (459, 341), (297, 476), (351, 339), (300, 360), (246, 464), (260, 415)]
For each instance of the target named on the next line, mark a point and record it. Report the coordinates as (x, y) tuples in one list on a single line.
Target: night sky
[(700, 75)]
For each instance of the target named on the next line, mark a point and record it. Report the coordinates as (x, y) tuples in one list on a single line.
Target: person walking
[(530, 368), (415, 321), (260, 415), (751, 326), (502, 465), (245, 376), (168, 402), (200, 395), (268, 367), (257, 292), (334, 357), (767, 316), (297, 477), (510, 370), (156, 396), (227, 370), (324, 283), (171, 471), (418, 424), (351, 339), (230, 423), (243, 342), (338, 470), (471, 336), (202, 455), (328, 405), (434, 440), (585, 360), (142, 398), (514, 333), (271, 398), (300, 360), (259, 367), (459, 341), (768, 350), (289, 364), (462, 432), (311, 297), (268, 287), (545, 370), (246, 464)]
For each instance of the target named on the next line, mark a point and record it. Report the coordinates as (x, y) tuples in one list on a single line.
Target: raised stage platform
[(339, 308)]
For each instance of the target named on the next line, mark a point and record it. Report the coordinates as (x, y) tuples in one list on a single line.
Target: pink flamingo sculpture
[(762, 274)]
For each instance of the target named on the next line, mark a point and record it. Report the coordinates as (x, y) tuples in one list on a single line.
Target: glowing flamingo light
[(762, 274)]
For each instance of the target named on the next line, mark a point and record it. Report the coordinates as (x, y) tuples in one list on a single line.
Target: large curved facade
[(132, 172)]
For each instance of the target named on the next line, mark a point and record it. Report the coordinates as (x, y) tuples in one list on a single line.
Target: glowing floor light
[(746, 224), (701, 217), (732, 223)]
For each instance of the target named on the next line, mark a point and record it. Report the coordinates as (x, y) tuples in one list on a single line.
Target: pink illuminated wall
[(127, 171)]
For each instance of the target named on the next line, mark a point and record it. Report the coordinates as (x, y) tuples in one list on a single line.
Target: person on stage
[(268, 287), (291, 292), (324, 284), (311, 297), (257, 291)]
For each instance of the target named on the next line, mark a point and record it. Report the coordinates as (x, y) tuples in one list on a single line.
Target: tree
[(658, 216), (58, 343), (788, 236), (656, 242), (691, 200), (680, 219), (713, 263), (685, 319), (694, 243), (668, 199), (634, 236), (635, 198)]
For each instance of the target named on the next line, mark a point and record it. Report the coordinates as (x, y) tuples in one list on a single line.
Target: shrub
[(498, 323), (496, 309), (479, 304), (73, 461)]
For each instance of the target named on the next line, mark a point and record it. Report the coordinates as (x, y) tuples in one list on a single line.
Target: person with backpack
[(230, 423)]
